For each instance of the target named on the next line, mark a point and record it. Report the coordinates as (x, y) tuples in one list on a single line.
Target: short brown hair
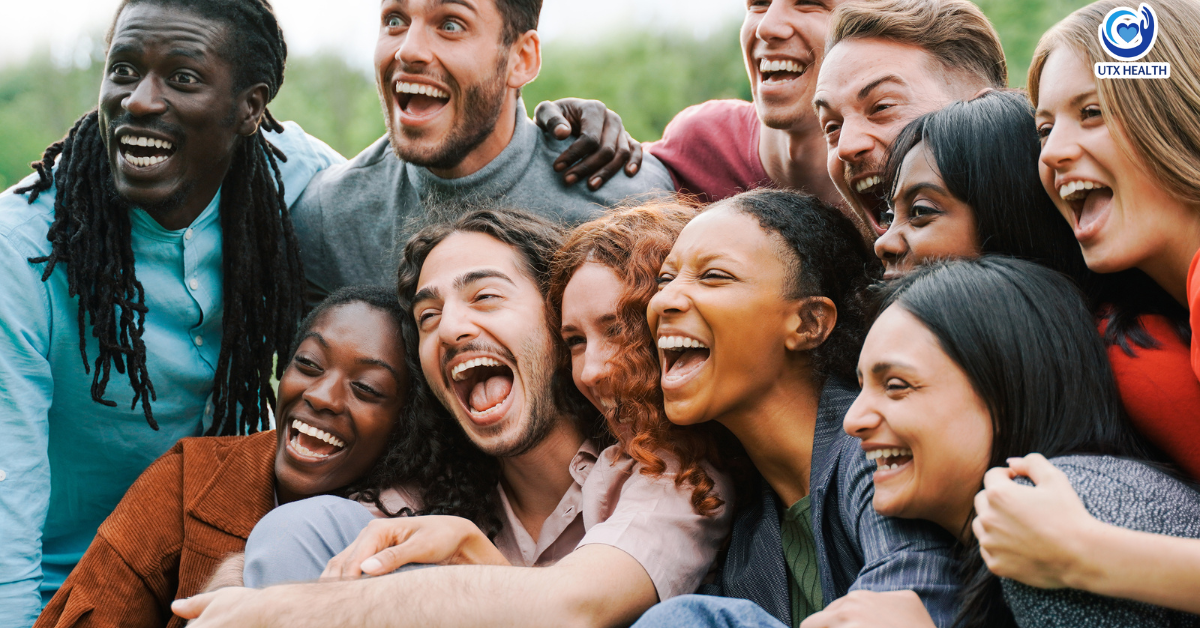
[(955, 32)]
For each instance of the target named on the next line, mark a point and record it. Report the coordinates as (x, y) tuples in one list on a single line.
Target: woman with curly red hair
[(603, 277)]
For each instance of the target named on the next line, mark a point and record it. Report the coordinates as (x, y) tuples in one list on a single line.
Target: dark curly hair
[(450, 473), (535, 240), (828, 259), (634, 242)]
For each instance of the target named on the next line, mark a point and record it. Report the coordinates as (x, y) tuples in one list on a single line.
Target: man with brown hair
[(887, 62)]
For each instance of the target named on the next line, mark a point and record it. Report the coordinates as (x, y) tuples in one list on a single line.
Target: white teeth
[(680, 342), (1076, 190), (418, 88), (301, 426), (142, 141), (458, 373), (879, 454), (143, 162), (765, 66), (145, 141), (868, 183)]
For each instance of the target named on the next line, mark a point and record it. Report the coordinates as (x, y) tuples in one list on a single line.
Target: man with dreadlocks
[(153, 241)]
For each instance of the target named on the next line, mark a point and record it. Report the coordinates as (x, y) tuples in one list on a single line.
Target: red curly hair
[(634, 241)]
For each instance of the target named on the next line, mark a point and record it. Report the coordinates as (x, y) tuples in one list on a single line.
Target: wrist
[(1082, 571)]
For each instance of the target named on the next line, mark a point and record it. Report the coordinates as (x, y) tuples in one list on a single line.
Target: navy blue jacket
[(857, 548)]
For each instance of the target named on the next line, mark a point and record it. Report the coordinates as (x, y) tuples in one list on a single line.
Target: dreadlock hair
[(455, 478), (91, 237)]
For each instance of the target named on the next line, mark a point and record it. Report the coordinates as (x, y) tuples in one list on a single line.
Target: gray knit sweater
[(1130, 495)]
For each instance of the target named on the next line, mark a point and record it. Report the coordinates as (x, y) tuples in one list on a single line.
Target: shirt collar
[(494, 179), (142, 224)]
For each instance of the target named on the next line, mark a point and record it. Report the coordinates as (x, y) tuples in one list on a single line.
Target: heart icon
[(1127, 32)]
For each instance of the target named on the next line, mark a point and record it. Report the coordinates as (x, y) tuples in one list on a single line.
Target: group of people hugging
[(891, 345)]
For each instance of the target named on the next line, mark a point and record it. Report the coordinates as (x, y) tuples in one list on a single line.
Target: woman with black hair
[(345, 415), (759, 319), (970, 363), (964, 183)]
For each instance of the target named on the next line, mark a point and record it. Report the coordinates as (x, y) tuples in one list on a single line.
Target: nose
[(414, 50), (325, 394), (456, 326), (1060, 148), (892, 246), (597, 367), (773, 26), (861, 419), (669, 300), (854, 143), (145, 99)]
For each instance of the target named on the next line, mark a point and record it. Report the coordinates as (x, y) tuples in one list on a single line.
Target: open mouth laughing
[(889, 460), (683, 358), (1090, 202), (872, 198), (312, 444), (779, 71), (420, 101), (484, 387), (142, 152)]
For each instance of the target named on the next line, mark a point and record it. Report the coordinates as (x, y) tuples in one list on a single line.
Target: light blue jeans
[(294, 542), (707, 611)]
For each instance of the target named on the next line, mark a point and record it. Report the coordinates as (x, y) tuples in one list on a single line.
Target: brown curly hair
[(634, 241)]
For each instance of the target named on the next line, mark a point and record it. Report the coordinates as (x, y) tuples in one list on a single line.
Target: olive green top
[(800, 554)]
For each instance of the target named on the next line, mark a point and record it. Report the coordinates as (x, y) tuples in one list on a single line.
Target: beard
[(536, 365), (481, 107)]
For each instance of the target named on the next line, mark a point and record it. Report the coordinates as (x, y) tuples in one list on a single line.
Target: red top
[(1160, 393), (1193, 297), (711, 150)]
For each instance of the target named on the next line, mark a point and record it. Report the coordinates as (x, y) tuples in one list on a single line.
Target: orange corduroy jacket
[(186, 513)]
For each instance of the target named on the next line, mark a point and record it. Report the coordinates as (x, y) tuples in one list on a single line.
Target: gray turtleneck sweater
[(353, 219)]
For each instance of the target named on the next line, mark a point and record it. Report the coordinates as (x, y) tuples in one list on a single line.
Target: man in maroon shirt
[(719, 148)]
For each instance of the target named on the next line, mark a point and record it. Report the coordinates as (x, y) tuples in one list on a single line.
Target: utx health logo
[(1127, 36)]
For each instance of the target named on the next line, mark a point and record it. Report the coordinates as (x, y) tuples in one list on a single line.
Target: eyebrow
[(607, 318), (911, 191), (881, 367), (461, 282), (372, 361), (1074, 102), (404, 4), (870, 87)]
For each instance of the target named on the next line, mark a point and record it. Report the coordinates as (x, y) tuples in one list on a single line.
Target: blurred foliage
[(646, 77)]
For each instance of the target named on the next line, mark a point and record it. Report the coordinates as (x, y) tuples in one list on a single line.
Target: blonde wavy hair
[(1156, 121)]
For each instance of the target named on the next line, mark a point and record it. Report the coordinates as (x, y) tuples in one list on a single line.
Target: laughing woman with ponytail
[(152, 245)]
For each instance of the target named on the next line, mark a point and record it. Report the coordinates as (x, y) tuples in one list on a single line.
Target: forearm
[(228, 573), (1151, 568)]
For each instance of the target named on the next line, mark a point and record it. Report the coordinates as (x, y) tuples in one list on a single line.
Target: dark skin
[(603, 147), (166, 78), (347, 379)]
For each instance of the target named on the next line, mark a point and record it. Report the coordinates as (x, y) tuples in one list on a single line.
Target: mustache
[(477, 346), (149, 123)]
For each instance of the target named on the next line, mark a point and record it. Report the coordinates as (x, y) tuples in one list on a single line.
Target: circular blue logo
[(1128, 36)]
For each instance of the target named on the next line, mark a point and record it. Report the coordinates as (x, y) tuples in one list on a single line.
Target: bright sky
[(311, 25)]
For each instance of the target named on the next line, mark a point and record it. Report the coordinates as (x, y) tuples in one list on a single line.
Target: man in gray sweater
[(450, 76)]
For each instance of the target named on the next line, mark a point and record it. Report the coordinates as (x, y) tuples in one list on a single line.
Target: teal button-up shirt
[(65, 460)]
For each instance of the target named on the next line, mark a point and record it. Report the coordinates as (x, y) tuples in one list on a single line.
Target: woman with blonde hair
[(1121, 160)]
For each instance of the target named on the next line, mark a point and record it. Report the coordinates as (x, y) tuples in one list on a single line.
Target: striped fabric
[(856, 547), (800, 552)]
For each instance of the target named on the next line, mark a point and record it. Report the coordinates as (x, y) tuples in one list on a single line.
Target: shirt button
[(199, 341), (208, 408), (194, 284), (187, 235), (3, 475)]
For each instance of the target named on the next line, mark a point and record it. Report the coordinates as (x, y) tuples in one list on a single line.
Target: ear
[(524, 60), (252, 102), (810, 324)]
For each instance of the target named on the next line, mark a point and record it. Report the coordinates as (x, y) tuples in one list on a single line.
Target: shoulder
[(23, 225), (712, 117), (374, 169), (651, 180), (1133, 494), (304, 148)]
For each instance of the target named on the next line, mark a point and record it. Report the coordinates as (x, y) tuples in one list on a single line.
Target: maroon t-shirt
[(711, 150)]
